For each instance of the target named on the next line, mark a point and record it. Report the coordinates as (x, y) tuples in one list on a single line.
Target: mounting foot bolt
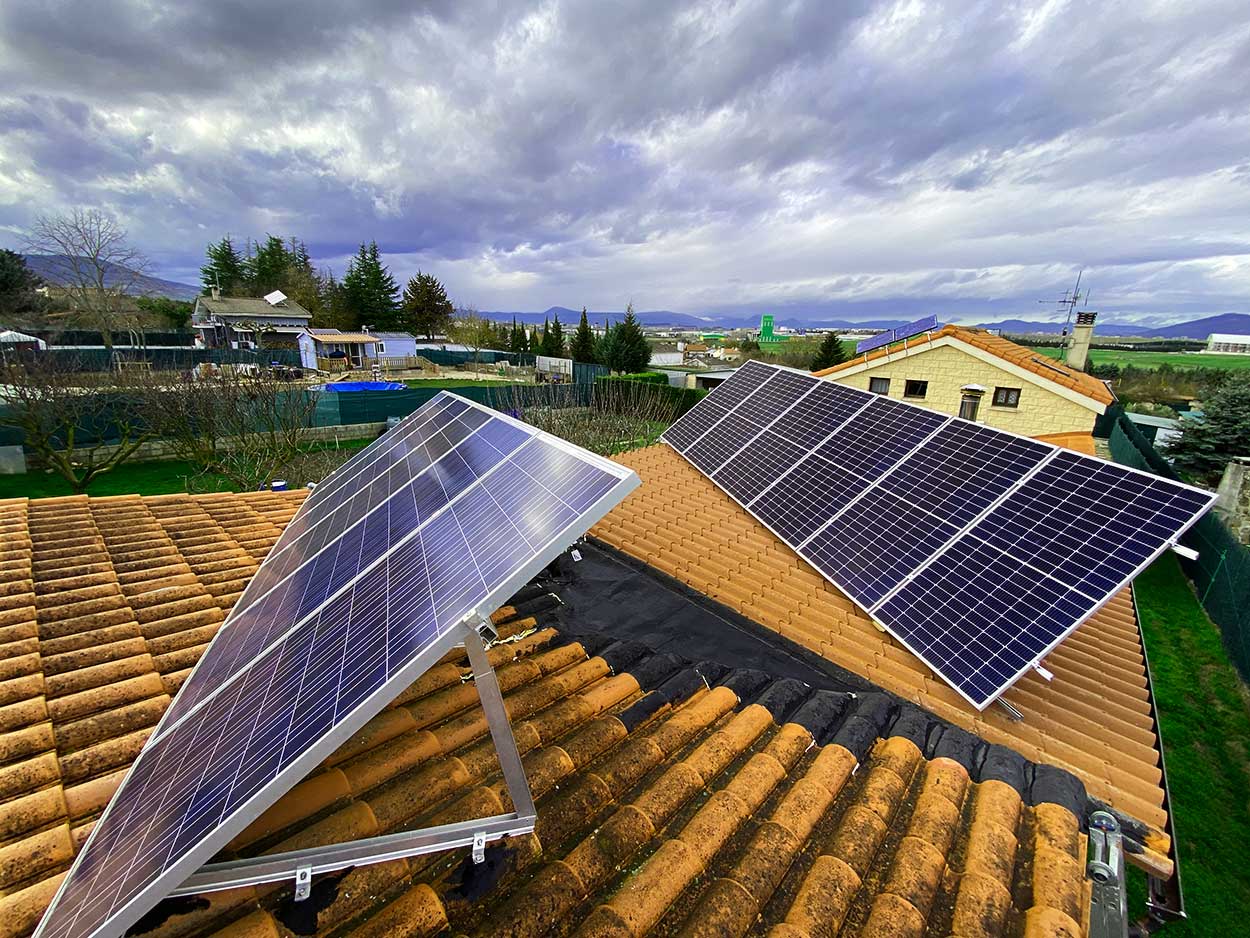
[(303, 883)]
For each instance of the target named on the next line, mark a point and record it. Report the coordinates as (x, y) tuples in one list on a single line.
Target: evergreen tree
[(625, 347), (515, 340), (543, 340), (582, 348), (267, 266), (426, 310), (555, 339), (370, 294), (1206, 444), (19, 287), (831, 352), (226, 267)]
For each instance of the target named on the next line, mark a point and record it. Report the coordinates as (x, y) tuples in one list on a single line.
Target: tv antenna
[(1069, 301)]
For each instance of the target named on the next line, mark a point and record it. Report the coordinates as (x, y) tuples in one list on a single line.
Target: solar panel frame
[(762, 498), (125, 915)]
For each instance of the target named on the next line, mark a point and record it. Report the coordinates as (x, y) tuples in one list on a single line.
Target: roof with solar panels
[(712, 751)]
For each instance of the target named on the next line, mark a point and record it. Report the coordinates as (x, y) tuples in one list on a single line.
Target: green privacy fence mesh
[(1221, 574)]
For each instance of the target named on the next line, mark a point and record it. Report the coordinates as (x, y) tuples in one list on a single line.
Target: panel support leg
[(301, 865)]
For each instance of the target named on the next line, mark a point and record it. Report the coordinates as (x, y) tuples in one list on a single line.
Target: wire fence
[(1221, 574)]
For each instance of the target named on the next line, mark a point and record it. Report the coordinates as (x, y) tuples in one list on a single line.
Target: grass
[(163, 477), (1101, 356), (1204, 710)]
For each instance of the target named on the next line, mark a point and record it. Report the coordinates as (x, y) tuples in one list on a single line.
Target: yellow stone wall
[(947, 369)]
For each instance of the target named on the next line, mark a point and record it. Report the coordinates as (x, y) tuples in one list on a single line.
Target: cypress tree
[(582, 348)]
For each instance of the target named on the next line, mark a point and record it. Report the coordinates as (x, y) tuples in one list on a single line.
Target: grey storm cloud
[(802, 156)]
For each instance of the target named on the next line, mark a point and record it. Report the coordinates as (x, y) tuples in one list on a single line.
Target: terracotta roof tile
[(668, 803), (1019, 355)]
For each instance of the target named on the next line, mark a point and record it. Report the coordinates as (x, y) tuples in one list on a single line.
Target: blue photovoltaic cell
[(924, 324), (872, 545), (976, 547), (299, 594), (879, 436), (963, 470), (804, 499), (876, 341), (456, 537), (730, 435), (1088, 522), (713, 407), (979, 618), (817, 415), (764, 460)]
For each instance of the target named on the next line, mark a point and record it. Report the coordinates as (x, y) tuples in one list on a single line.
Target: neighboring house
[(983, 377), (331, 350), (707, 380), (1226, 344), (248, 322), (13, 341), (394, 344)]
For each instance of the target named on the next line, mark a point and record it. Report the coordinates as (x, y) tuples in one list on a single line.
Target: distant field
[(1156, 359)]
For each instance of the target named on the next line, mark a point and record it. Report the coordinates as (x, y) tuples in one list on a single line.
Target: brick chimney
[(1082, 336)]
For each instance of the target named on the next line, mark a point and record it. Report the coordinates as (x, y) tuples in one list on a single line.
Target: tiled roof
[(251, 306), (1048, 368), (354, 338), (1094, 719), (673, 798)]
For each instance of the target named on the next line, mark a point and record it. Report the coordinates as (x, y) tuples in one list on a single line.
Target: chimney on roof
[(216, 292), (1082, 336)]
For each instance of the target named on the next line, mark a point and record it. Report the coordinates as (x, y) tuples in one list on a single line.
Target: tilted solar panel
[(978, 549), (483, 504)]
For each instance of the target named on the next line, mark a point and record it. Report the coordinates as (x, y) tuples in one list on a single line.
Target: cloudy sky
[(801, 157)]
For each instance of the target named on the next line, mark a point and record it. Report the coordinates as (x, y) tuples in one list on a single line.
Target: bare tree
[(92, 261), (472, 330), (80, 425), (247, 426)]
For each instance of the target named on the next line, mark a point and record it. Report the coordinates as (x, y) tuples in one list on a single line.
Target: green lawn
[(162, 477), (1100, 356), (1205, 715)]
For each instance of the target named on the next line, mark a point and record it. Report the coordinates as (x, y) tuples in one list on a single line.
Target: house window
[(915, 389), (879, 385), (1006, 397), (381, 347)]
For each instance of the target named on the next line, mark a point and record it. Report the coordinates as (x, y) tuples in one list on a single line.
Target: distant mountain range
[(46, 266), (51, 266), (1236, 323)]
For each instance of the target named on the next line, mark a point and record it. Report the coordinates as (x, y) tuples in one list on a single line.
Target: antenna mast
[(1069, 302)]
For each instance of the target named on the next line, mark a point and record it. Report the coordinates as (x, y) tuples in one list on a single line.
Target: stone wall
[(947, 369), (1233, 503)]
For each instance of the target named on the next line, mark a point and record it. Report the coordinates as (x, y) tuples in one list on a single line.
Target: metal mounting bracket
[(302, 865), (1108, 901), (303, 883), (1015, 715)]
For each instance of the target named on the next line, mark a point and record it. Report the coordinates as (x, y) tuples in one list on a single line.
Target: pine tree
[(831, 352), (1206, 445), (426, 309), (582, 348), (555, 342), (370, 294), (543, 340), (267, 266), (625, 347), (225, 268)]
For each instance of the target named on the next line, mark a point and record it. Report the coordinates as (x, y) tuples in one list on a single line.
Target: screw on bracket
[(303, 883)]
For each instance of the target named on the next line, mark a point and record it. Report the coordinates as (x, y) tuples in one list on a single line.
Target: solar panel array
[(444, 517), (927, 324), (978, 549)]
